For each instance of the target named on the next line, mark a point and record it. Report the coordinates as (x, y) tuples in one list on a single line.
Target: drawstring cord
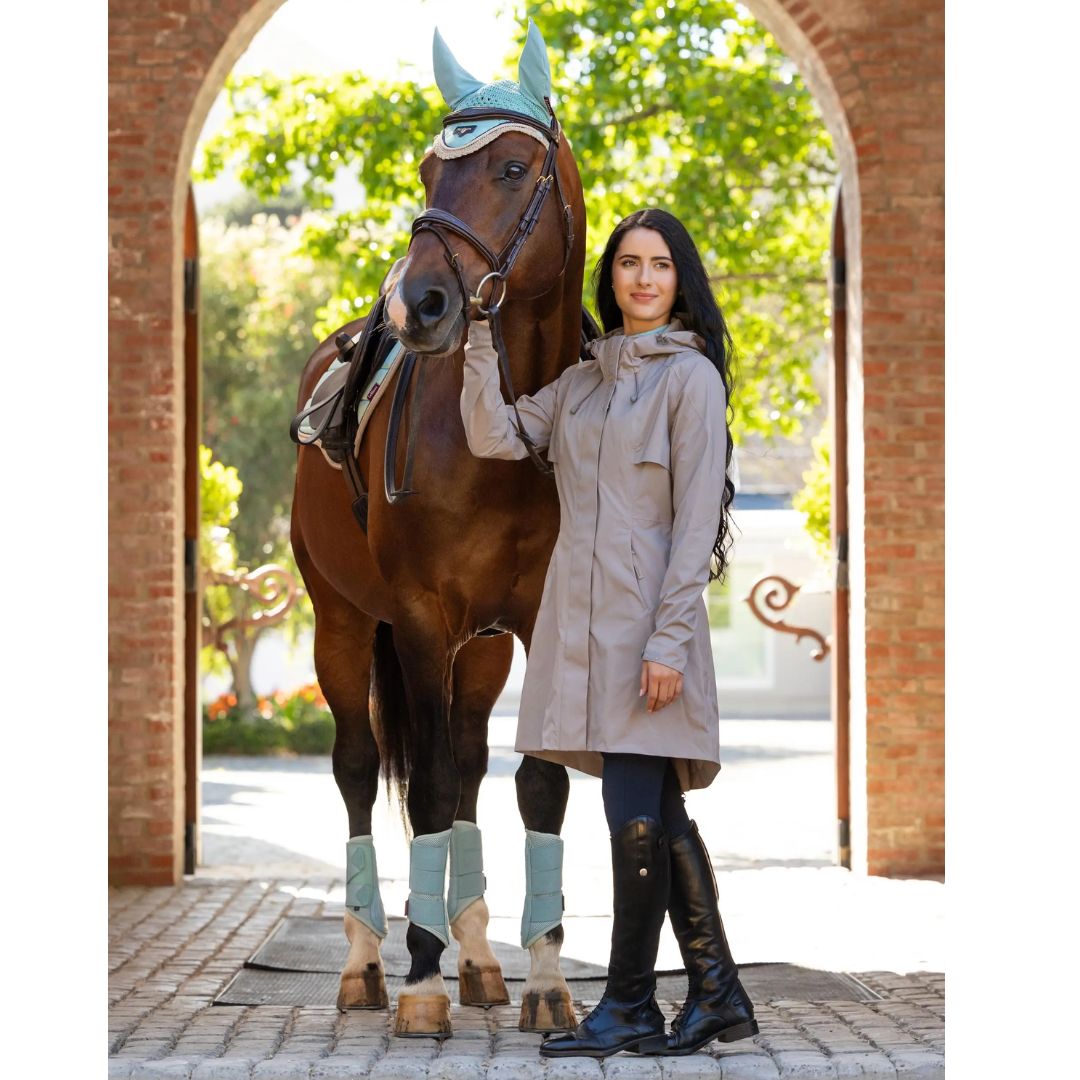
[(574, 408)]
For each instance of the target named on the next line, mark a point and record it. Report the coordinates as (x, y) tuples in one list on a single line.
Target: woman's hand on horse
[(663, 684)]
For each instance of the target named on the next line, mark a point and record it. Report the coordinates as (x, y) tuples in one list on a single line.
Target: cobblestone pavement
[(273, 845), (173, 949)]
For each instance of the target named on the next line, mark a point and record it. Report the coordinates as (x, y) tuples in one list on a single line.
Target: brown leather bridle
[(440, 222)]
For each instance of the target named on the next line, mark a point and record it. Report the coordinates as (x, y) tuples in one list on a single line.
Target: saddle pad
[(331, 379), (314, 944)]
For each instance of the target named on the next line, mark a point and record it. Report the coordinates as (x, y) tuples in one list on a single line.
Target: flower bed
[(297, 722)]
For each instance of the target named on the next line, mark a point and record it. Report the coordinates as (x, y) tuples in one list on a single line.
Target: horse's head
[(486, 179)]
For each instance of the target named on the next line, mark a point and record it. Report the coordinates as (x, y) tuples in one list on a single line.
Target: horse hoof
[(363, 990), (547, 1010), (481, 986), (423, 1016)]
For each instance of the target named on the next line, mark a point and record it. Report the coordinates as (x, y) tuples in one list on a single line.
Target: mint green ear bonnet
[(461, 90)]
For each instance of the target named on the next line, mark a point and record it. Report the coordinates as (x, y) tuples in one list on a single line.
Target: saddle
[(334, 417)]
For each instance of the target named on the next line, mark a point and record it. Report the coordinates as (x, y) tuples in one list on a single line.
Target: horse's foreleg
[(343, 651), (542, 790), (480, 670)]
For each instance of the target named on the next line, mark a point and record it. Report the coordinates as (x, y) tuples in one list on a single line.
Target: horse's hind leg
[(542, 792), (344, 637), (480, 670)]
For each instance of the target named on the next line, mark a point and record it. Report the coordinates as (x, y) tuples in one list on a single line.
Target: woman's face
[(644, 279)]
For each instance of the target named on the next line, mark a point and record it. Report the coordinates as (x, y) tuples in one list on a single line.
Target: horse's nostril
[(432, 307)]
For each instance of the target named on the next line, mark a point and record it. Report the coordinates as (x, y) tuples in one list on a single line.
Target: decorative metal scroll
[(268, 593), (777, 599)]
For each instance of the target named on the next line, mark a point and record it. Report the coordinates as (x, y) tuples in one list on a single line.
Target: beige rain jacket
[(638, 440)]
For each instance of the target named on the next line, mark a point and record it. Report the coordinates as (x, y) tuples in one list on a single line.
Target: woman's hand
[(662, 683)]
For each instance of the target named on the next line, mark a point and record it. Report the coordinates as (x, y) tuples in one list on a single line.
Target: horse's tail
[(390, 718)]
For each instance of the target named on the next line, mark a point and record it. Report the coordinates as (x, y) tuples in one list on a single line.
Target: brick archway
[(878, 75)]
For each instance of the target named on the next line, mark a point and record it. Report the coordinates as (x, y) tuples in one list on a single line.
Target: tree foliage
[(259, 298), (219, 495), (681, 104), (815, 498)]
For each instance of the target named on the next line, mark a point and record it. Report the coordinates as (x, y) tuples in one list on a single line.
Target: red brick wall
[(882, 92), (166, 63), (878, 72)]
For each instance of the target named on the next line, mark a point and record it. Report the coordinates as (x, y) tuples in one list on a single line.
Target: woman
[(638, 439)]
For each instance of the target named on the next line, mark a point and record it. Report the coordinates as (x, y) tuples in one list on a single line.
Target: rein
[(440, 222)]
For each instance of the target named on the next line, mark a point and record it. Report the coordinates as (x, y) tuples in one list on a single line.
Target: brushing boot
[(717, 1006), (627, 1016)]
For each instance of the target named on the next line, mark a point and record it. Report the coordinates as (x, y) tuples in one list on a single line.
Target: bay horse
[(413, 621)]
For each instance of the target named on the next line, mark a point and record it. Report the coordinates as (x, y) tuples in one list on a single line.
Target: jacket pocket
[(635, 562)]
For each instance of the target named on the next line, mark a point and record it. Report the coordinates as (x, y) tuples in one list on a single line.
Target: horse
[(414, 619)]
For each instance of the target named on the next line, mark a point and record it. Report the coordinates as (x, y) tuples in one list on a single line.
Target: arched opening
[(892, 175), (841, 781)]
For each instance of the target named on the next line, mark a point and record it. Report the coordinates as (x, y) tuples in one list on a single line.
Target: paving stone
[(863, 1063), (399, 1067), (698, 1066), (748, 1067), (282, 1068), (460, 1068), (225, 1068), (168, 1068), (802, 1064), (918, 1064), (573, 1069), (344, 1066), (520, 1070), (631, 1067)]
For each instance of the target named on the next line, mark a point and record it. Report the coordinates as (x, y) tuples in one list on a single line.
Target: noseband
[(441, 222)]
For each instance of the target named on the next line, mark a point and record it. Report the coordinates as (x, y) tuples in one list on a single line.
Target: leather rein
[(440, 222)]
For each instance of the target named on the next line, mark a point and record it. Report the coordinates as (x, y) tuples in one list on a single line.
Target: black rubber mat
[(301, 960), (319, 945), (763, 982)]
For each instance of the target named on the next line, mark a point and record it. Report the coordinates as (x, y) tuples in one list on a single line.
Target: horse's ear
[(453, 81), (534, 71)]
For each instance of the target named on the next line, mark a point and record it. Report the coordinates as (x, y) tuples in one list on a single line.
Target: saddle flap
[(325, 407)]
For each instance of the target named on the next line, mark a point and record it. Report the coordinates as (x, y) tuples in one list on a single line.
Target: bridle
[(441, 222)]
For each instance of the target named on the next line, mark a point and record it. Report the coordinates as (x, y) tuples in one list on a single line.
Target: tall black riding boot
[(717, 1006), (627, 1016)]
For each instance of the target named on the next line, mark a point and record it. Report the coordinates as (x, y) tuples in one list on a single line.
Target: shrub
[(295, 723)]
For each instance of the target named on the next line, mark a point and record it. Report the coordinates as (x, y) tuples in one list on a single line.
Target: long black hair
[(697, 309)]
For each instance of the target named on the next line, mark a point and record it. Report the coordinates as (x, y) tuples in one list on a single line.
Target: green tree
[(815, 498), (232, 616), (219, 492), (259, 298), (682, 104)]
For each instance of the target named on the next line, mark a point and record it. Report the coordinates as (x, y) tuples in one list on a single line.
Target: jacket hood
[(615, 346)]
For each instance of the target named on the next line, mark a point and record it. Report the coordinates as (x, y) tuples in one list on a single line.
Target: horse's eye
[(514, 172)]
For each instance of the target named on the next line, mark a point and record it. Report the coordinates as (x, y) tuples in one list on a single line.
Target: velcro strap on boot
[(467, 881), (543, 885), (427, 883), (362, 897)]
